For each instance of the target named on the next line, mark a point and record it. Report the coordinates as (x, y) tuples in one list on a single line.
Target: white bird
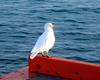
[(45, 42)]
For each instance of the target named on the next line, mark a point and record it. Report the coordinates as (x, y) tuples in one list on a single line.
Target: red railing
[(64, 68)]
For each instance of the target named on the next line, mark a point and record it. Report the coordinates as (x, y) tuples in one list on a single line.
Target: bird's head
[(48, 26)]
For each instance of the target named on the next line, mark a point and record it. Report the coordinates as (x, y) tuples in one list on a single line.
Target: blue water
[(77, 30)]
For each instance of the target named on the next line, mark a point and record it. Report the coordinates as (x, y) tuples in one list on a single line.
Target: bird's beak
[(51, 26)]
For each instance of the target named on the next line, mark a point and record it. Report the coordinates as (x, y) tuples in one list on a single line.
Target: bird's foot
[(46, 55), (43, 55)]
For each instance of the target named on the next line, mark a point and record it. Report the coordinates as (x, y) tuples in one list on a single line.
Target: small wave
[(75, 21), (63, 10), (97, 10), (74, 33), (13, 60), (3, 32), (83, 59), (3, 25), (12, 14), (71, 20), (89, 9), (80, 28), (82, 39), (2, 40), (80, 49), (57, 10), (33, 11), (19, 36), (42, 18), (95, 61), (83, 9)]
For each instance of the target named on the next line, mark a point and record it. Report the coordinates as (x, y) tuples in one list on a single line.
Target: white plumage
[(45, 41)]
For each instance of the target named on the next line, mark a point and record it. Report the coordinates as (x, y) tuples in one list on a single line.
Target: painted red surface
[(64, 68), (54, 66), (21, 74)]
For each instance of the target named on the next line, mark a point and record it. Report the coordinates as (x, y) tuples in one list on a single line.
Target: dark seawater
[(77, 30)]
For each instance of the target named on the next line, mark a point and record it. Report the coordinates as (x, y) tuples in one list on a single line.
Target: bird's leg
[(42, 54), (46, 53)]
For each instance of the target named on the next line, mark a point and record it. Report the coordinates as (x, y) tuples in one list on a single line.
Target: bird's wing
[(50, 40), (40, 44), (45, 41)]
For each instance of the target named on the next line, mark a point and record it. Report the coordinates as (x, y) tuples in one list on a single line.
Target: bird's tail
[(33, 55)]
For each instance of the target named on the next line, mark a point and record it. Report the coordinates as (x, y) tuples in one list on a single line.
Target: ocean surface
[(77, 30)]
